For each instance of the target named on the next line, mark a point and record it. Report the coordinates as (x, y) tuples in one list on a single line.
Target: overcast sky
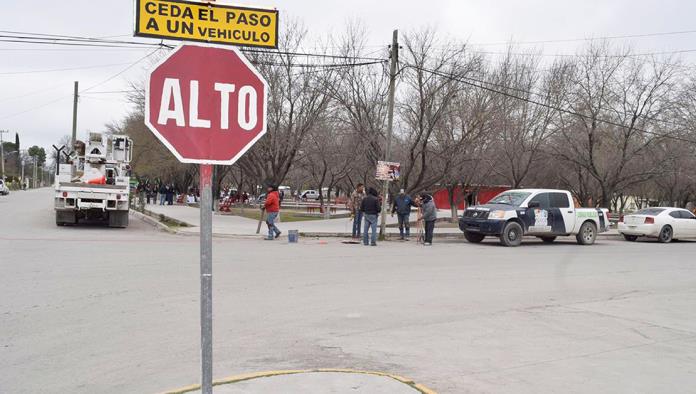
[(39, 105)]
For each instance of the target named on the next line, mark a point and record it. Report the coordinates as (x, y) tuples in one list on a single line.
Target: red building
[(471, 195)]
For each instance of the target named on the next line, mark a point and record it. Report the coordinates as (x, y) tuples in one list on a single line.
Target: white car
[(3, 188), (309, 195), (663, 223)]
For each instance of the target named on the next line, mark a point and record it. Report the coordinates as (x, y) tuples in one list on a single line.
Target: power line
[(83, 49), (669, 33), (60, 38), (82, 91), (52, 39), (580, 55), (61, 69), (34, 108), (478, 84), (74, 44), (114, 92), (42, 90), (309, 65), (121, 72), (318, 55)]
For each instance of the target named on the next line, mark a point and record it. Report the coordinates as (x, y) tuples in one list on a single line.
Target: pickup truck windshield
[(510, 198)]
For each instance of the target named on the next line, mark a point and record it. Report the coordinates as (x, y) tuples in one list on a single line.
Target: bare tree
[(296, 102), (521, 125), (617, 100), (431, 81)]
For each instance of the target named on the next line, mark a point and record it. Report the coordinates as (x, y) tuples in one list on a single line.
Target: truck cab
[(544, 213)]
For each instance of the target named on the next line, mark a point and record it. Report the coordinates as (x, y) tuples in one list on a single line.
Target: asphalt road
[(97, 310)]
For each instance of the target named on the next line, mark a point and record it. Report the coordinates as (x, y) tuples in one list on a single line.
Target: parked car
[(3, 188), (543, 213), (664, 223), (309, 195)]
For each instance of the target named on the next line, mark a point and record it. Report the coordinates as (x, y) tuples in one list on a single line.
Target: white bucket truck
[(94, 184)]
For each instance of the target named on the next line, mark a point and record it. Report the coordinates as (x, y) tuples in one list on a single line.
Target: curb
[(255, 375), (151, 218), (152, 221)]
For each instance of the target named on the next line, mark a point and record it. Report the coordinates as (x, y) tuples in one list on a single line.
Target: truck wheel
[(512, 234), (630, 238), (548, 240), (665, 235), (118, 219), (587, 234), (474, 238)]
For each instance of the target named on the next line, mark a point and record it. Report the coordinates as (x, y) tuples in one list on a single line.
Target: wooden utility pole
[(74, 119), (2, 155), (35, 174), (394, 59)]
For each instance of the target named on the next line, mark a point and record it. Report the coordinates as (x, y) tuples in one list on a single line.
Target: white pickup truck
[(543, 213)]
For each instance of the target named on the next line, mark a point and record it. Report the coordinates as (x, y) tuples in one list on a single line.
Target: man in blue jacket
[(402, 206)]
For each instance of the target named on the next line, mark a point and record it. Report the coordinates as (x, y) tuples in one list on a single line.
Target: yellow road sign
[(206, 22)]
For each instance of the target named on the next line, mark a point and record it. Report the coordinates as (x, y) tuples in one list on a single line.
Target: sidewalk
[(225, 224)]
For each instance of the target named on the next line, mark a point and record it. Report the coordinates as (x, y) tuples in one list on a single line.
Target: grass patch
[(171, 222), (285, 215)]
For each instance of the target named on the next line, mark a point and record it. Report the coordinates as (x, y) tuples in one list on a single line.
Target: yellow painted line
[(255, 375)]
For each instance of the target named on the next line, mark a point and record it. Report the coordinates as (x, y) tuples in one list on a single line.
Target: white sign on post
[(388, 171)]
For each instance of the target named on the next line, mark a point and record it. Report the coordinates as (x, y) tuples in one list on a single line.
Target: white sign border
[(164, 140)]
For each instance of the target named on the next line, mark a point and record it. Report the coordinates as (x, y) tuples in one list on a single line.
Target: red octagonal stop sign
[(207, 104)]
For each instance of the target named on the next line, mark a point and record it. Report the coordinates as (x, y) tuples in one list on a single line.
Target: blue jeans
[(357, 223), (162, 198), (370, 223), (403, 224), (270, 222)]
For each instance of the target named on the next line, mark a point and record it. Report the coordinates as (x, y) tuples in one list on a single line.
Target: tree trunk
[(451, 189)]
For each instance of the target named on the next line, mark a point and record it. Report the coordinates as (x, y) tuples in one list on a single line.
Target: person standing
[(354, 204), (162, 193), (402, 207), (272, 207), (429, 217), (170, 194), (371, 208)]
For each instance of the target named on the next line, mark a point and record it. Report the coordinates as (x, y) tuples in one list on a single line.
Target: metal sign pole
[(206, 210)]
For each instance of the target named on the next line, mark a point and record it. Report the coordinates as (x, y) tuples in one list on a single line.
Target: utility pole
[(74, 118), (35, 174), (2, 155), (21, 160), (394, 59)]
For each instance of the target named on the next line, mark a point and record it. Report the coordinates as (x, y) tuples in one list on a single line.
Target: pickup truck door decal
[(542, 221)]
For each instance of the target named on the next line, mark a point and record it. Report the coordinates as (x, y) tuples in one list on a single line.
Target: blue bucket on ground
[(293, 236)]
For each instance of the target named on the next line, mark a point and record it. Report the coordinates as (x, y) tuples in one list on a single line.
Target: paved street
[(97, 310)]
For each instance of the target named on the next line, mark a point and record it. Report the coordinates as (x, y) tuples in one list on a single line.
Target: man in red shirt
[(272, 207)]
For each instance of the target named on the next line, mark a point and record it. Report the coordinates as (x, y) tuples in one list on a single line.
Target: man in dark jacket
[(371, 207), (402, 207), (429, 217), (162, 193)]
